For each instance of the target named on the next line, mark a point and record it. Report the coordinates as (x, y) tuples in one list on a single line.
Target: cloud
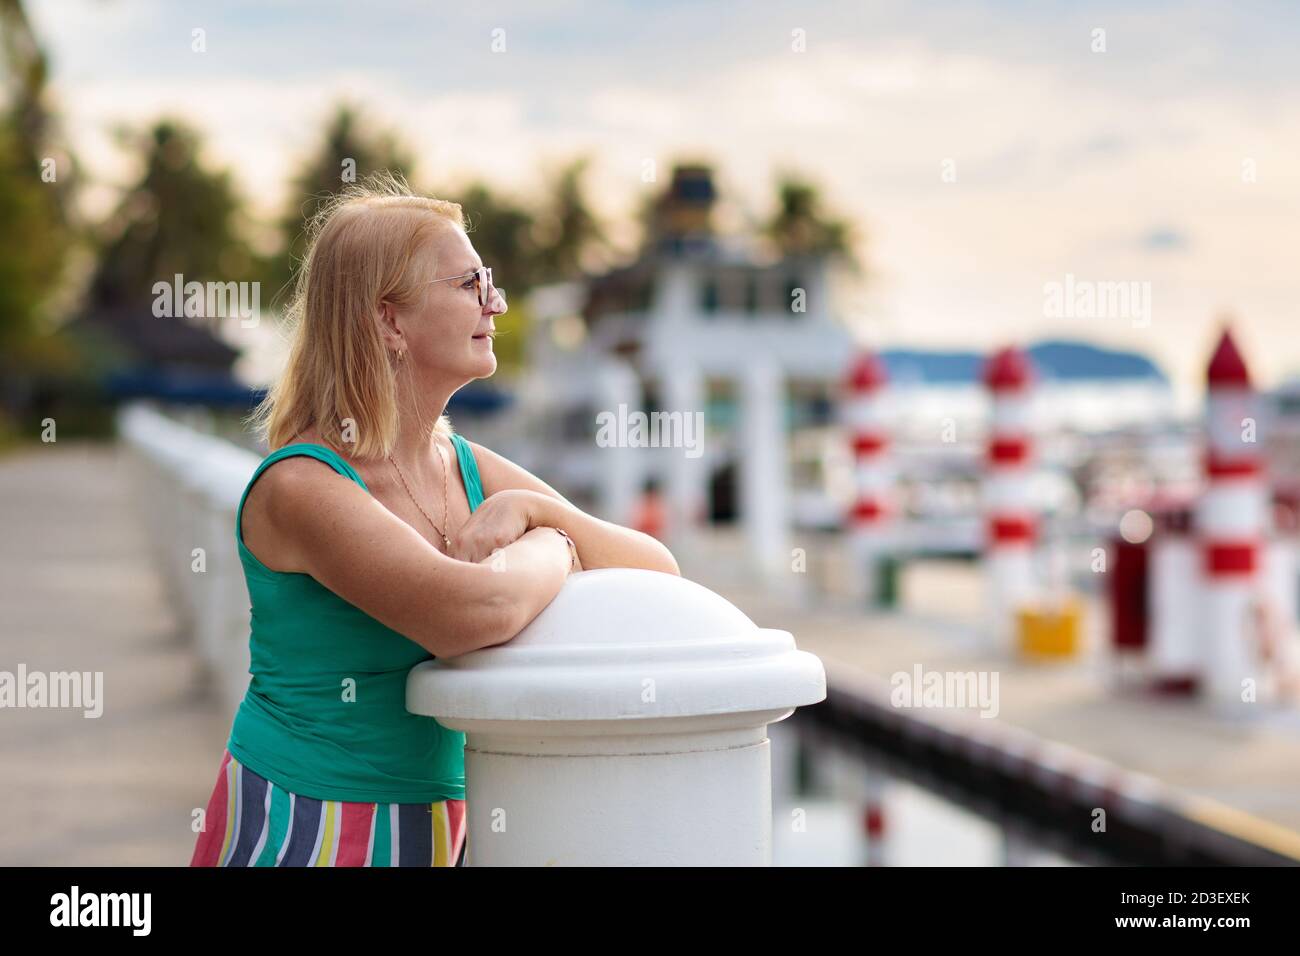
[(1066, 160)]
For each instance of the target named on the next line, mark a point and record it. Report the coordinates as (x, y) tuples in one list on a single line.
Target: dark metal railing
[(1074, 803)]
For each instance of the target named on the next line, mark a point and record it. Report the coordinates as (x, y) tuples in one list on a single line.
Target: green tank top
[(325, 713)]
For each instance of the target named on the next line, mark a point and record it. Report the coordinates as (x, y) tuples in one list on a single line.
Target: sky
[(985, 151)]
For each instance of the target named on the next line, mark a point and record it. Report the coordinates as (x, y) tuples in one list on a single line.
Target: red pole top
[(867, 373), (1008, 369), (1227, 368)]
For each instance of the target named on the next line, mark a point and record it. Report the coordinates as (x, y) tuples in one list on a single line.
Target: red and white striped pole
[(1232, 521), (1011, 525), (873, 821), (866, 419)]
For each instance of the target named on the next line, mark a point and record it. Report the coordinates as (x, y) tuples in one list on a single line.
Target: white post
[(619, 465), (874, 818), (682, 390), (1172, 603), (764, 470), (1280, 596), (675, 293), (626, 725)]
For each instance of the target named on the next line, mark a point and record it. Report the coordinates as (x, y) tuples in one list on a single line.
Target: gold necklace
[(442, 458)]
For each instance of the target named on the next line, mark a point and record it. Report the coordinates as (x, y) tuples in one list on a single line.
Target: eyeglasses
[(482, 282)]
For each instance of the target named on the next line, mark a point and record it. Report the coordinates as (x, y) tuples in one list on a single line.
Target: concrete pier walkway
[(79, 592)]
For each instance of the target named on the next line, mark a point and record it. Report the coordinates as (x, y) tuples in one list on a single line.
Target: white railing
[(189, 485), (666, 683)]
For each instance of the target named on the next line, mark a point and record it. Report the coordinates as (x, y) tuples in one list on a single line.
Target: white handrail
[(189, 485)]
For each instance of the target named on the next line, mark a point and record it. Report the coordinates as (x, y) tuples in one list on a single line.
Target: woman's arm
[(601, 544), (531, 560), (354, 546)]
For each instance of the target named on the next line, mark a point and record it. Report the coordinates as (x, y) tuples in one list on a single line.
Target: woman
[(366, 552)]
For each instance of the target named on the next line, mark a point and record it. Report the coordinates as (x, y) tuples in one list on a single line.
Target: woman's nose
[(497, 302)]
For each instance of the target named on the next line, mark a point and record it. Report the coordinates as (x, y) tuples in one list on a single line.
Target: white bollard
[(626, 725), (1173, 603), (1282, 637)]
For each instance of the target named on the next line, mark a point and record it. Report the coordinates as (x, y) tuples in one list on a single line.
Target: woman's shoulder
[(308, 436), (299, 469), (292, 492), (343, 461)]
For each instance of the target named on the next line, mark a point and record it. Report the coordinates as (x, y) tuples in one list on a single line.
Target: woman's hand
[(500, 520)]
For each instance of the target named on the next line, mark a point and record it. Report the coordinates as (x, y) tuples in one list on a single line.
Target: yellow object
[(1050, 632)]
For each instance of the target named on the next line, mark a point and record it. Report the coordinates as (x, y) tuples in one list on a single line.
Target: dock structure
[(1227, 781), (81, 592)]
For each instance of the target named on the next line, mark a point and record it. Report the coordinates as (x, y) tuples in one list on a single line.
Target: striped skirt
[(252, 822)]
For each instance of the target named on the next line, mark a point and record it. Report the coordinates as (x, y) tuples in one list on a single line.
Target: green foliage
[(566, 235), (33, 210), (36, 240), (180, 217), (502, 234), (347, 153), (801, 227)]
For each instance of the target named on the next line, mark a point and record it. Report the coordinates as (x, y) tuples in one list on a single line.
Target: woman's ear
[(386, 317)]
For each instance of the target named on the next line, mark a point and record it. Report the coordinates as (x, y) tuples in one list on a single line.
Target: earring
[(401, 354)]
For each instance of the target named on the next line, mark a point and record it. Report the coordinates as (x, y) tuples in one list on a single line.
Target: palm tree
[(567, 235), (36, 214), (180, 217), (800, 227), (347, 153)]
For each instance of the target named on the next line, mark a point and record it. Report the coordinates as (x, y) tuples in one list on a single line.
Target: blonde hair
[(360, 245)]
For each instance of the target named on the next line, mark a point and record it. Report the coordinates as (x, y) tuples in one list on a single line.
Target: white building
[(726, 356)]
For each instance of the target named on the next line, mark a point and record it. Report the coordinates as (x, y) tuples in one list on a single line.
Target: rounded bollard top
[(623, 644)]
